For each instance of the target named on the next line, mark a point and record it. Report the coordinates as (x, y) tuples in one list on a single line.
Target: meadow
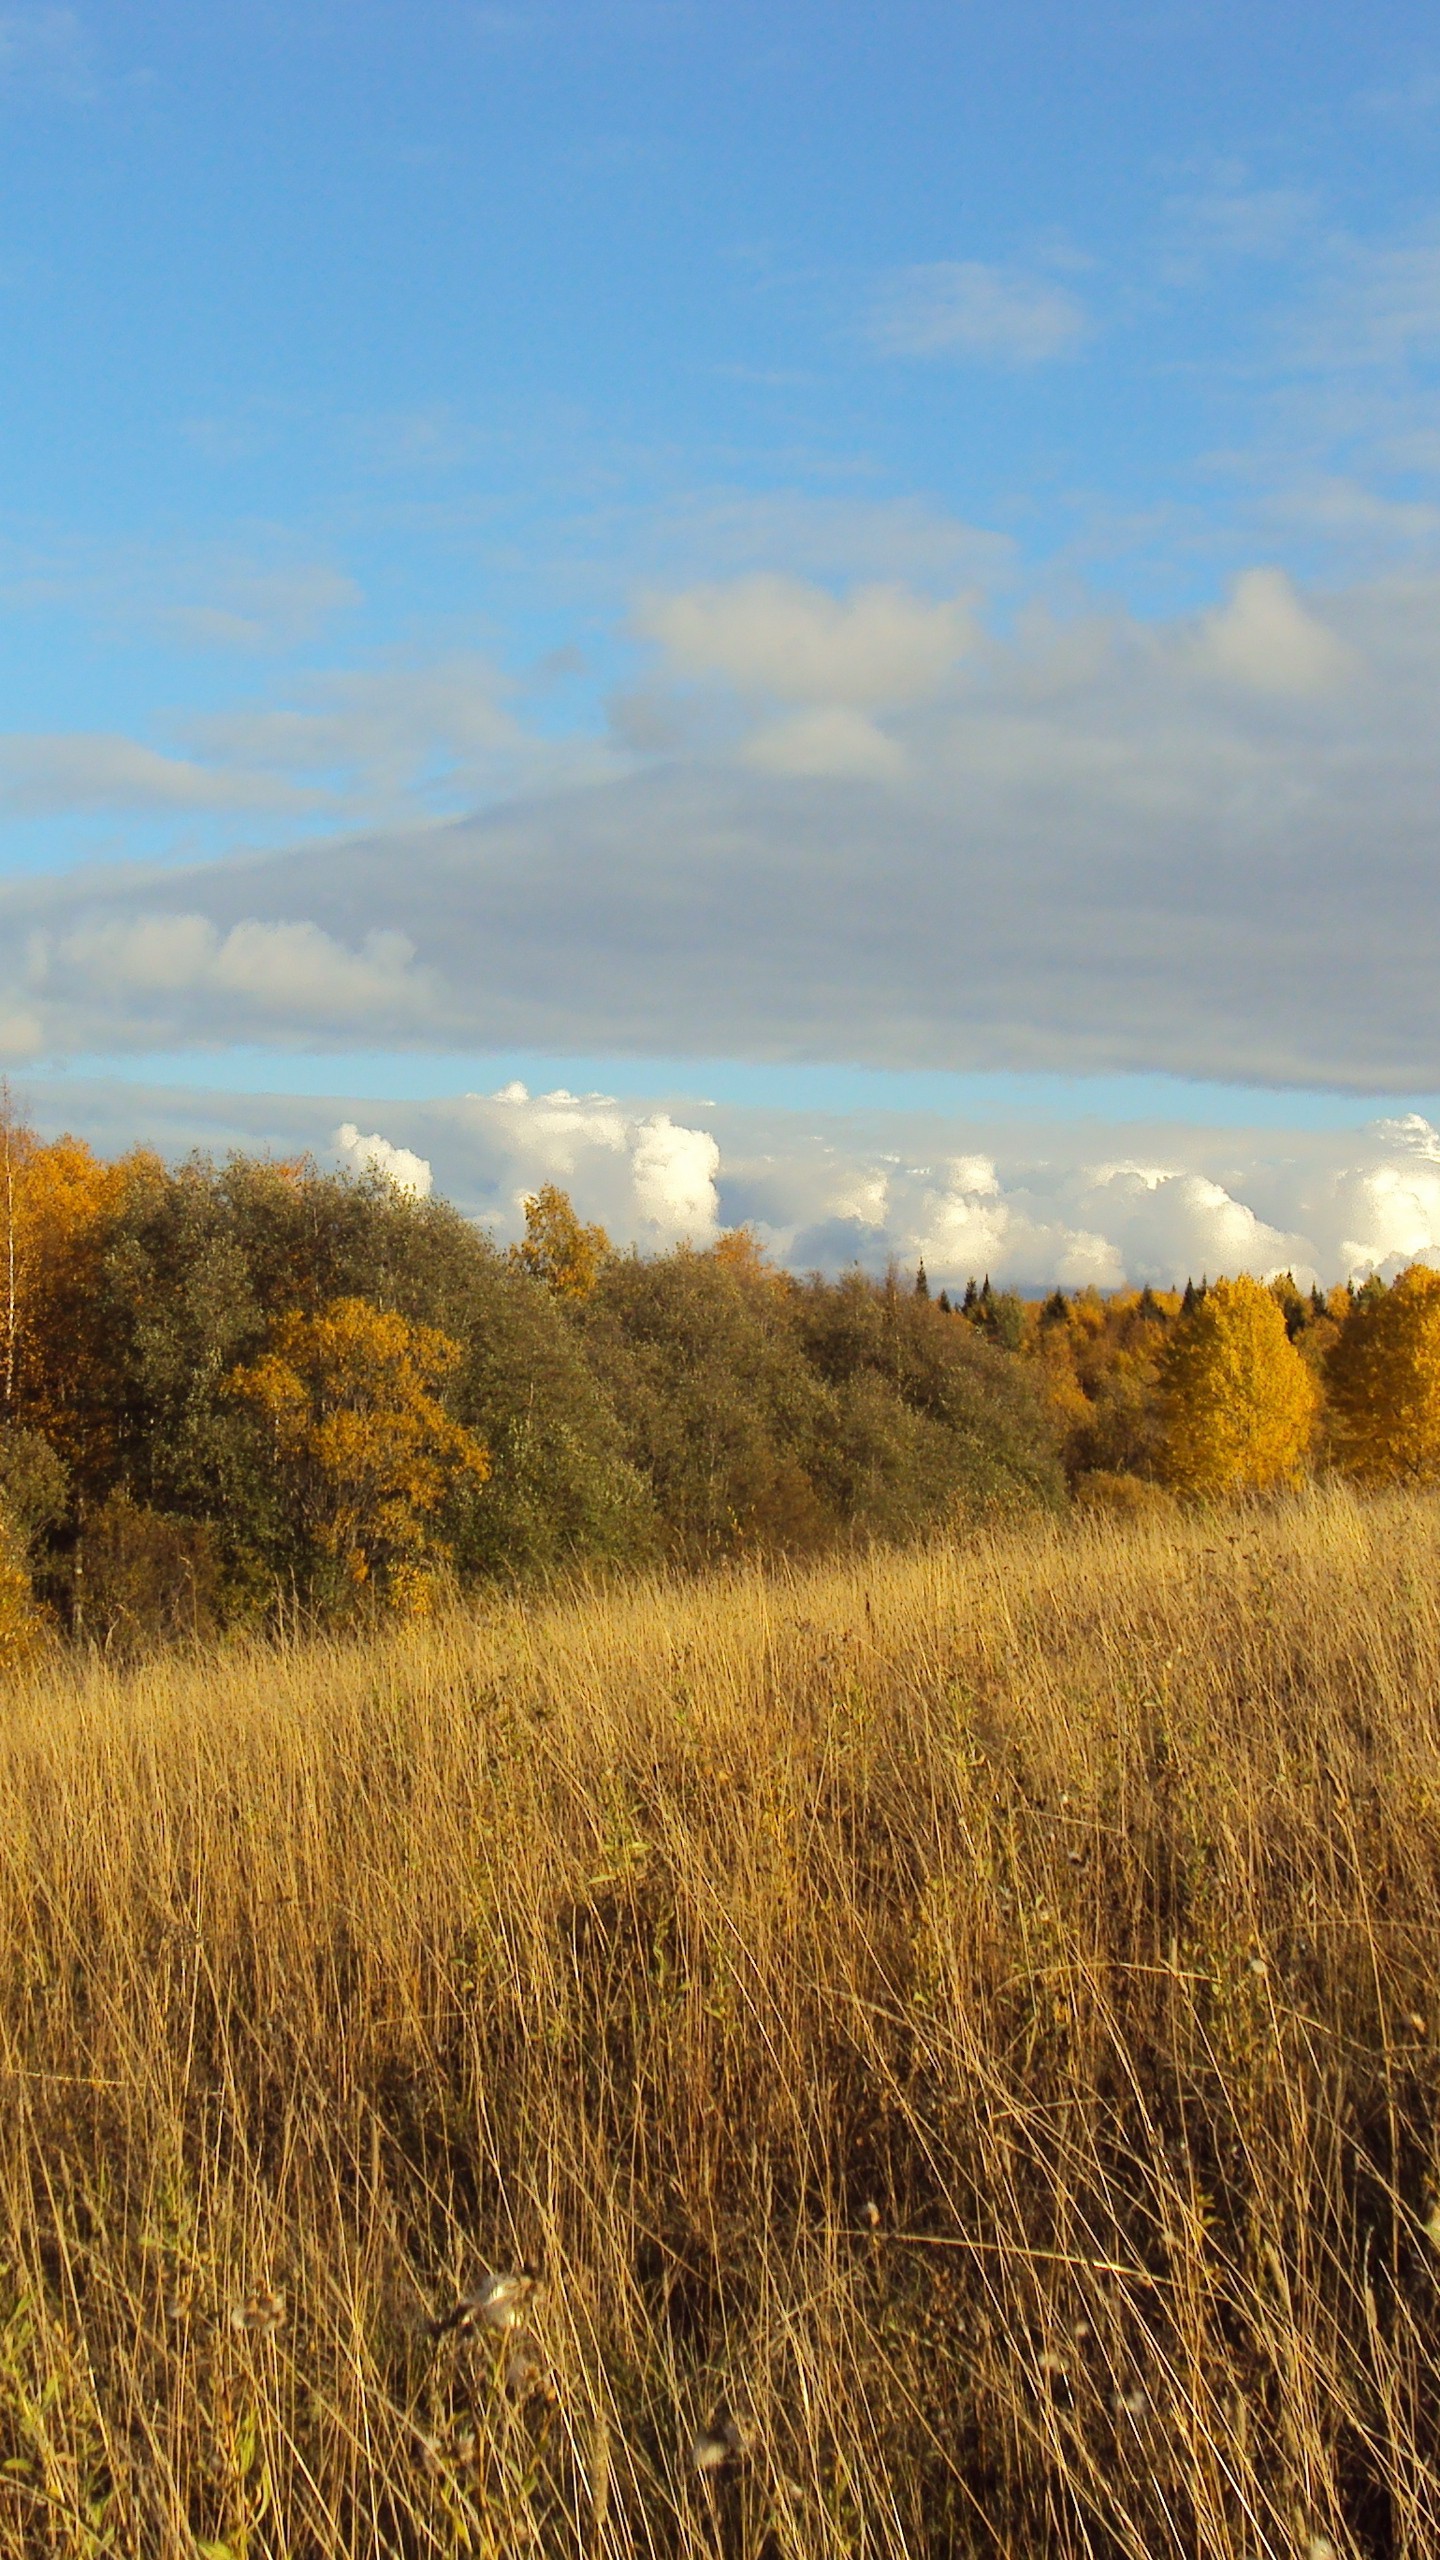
[(949, 2038)]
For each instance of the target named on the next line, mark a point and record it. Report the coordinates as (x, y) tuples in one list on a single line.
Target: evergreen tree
[(922, 1284)]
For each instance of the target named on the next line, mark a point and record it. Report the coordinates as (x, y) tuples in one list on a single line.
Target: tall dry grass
[(969, 2017)]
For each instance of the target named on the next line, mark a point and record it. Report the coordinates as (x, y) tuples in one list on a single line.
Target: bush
[(719, 1407), (143, 1577)]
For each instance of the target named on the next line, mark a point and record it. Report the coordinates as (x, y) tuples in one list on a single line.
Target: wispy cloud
[(261, 595), (962, 309), (44, 51), (76, 771)]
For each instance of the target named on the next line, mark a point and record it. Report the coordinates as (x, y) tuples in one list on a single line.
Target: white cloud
[(960, 307), (1033, 1204), (165, 974), (878, 646), (642, 1175), (1264, 637), (1391, 1206), (674, 1170), (401, 1167)]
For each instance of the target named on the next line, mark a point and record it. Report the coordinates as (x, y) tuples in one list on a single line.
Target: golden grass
[(961, 2025)]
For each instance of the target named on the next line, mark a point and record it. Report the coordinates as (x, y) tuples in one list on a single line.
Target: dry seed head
[(714, 2446), (1130, 2403), (260, 2314), (498, 2304), (1320, 2547), (870, 2214), (525, 2377)]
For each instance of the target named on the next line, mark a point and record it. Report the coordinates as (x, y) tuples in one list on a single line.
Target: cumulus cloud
[(878, 646), (1031, 1203), (961, 307), (1043, 1209), (1393, 1203), (1263, 636), (673, 1171), (400, 1166), (645, 1176)]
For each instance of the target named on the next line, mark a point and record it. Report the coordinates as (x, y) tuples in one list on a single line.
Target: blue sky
[(865, 573)]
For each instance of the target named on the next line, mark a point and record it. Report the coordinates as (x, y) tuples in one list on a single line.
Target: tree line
[(232, 1391)]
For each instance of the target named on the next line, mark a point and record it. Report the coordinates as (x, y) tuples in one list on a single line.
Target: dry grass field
[(956, 2035)]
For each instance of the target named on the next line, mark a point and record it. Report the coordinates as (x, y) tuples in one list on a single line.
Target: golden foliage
[(56, 1202), (565, 1256), (1238, 1403), (1383, 1376), (365, 1446)]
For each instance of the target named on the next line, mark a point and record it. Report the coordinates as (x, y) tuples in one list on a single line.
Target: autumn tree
[(1238, 1403), (558, 1250), (57, 1205), (365, 1449), (1383, 1376)]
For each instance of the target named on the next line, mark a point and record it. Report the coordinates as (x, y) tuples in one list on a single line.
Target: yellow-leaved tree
[(558, 1250), (1238, 1403), (1383, 1377), (57, 1201), (365, 1450)]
